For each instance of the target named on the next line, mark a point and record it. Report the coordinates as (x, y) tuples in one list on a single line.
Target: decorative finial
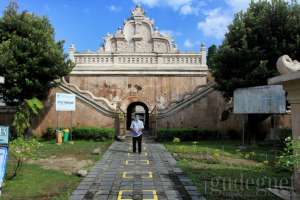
[(72, 48), (138, 11), (203, 48), (286, 65), (72, 52)]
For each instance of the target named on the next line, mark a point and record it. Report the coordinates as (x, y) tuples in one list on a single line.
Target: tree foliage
[(30, 58), (211, 52), (25, 112), (256, 39)]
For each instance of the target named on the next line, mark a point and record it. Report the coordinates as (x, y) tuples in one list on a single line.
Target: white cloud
[(190, 44), (170, 33), (186, 10), (185, 7), (238, 5), (114, 8), (215, 24)]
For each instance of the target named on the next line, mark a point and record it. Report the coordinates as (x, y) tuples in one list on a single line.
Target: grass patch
[(35, 182), (221, 171)]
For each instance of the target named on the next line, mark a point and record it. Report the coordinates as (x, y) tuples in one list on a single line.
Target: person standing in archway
[(137, 127)]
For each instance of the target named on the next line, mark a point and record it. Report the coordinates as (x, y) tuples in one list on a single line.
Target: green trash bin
[(66, 135)]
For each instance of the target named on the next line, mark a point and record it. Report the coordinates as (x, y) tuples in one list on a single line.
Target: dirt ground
[(68, 165)]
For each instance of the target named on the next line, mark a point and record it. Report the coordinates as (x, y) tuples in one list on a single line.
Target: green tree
[(30, 58), (256, 39), (211, 52)]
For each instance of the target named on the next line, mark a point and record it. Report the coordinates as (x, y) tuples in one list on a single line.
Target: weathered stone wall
[(149, 89), (205, 113), (84, 115), (7, 115)]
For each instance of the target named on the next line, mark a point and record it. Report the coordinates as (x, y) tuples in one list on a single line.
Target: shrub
[(49, 134), (84, 133), (22, 149), (283, 134), (92, 133), (185, 134), (176, 140), (290, 157)]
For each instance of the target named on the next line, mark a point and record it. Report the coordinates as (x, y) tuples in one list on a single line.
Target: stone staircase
[(186, 100), (100, 104)]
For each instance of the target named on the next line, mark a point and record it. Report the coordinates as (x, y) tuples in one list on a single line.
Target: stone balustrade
[(167, 59)]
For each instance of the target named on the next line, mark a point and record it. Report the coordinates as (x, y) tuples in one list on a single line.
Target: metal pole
[(243, 136), (71, 126), (57, 115)]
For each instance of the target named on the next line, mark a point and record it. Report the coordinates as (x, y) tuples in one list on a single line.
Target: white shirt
[(136, 125)]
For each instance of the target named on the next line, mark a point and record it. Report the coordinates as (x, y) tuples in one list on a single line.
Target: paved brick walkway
[(120, 174)]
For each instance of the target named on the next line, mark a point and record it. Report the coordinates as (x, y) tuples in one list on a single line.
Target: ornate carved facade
[(138, 66), (138, 36), (137, 47)]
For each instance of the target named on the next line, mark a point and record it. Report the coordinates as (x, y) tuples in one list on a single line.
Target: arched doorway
[(137, 108)]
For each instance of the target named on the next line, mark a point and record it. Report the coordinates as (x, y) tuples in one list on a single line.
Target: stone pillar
[(293, 90), (203, 54), (296, 134), (291, 84), (72, 51)]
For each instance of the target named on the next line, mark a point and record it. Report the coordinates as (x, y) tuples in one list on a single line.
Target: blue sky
[(85, 23)]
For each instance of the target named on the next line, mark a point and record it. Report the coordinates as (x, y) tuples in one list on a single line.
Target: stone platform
[(121, 174)]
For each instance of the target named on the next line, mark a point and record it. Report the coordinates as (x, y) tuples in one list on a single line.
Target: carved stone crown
[(138, 36), (138, 12)]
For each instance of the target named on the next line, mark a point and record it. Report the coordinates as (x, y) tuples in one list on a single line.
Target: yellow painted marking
[(124, 175), (147, 162), (128, 161), (131, 154), (150, 175), (121, 193), (154, 194)]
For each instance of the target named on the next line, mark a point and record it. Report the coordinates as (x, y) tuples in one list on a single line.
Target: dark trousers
[(139, 141)]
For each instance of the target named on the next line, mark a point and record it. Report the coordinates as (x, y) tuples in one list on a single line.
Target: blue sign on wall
[(4, 134), (3, 161)]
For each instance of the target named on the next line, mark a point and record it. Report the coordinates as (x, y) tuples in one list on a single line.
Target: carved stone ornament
[(138, 35), (286, 65)]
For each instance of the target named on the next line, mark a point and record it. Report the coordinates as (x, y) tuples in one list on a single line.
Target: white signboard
[(65, 102), (260, 100), (2, 80), (3, 161), (4, 134)]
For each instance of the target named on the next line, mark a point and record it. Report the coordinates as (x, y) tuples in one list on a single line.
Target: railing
[(169, 59)]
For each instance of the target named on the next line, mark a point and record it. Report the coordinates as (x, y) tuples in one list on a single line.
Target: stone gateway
[(138, 70)]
